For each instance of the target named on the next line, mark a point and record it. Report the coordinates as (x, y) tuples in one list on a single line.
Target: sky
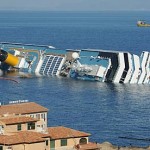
[(74, 5)]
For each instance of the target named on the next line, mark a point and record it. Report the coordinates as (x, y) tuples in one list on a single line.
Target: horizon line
[(42, 10)]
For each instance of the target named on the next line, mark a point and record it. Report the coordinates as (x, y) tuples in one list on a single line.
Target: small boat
[(142, 24)]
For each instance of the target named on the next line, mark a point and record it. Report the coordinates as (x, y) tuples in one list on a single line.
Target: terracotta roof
[(22, 108), (23, 137), (16, 120), (63, 132), (89, 146)]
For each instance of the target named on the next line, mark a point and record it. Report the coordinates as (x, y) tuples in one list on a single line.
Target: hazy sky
[(75, 5)]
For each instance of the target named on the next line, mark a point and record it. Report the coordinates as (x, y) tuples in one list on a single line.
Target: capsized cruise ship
[(85, 64)]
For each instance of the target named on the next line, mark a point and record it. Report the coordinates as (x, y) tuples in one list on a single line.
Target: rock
[(109, 146)]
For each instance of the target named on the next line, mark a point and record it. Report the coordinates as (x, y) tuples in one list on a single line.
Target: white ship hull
[(86, 64)]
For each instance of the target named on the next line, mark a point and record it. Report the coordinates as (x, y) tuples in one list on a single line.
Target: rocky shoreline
[(109, 146)]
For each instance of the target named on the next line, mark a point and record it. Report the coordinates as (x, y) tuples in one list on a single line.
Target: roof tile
[(22, 108), (61, 132), (23, 137), (15, 120), (89, 146)]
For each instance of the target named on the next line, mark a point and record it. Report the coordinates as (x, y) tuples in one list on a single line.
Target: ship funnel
[(8, 58)]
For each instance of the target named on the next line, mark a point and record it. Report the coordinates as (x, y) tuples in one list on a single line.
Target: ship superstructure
[(86, 64)]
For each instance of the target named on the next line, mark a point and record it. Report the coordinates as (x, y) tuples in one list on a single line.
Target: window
[(43, 116), (83, 141), (52, 144), (19, 127), (43, 126), (63, 142), (38, 116), (32, 116), (31, 125), (46, 142), (1, 127)]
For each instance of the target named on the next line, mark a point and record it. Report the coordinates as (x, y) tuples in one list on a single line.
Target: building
[(25, 140), (23, 126), (67, 138), (8, 125), (29, 109)]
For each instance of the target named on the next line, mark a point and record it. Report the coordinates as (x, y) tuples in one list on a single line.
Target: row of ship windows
[(50, 65), (54, 59), (51, 71)]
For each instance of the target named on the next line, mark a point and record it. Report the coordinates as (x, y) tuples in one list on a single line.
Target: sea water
[(107, 111)]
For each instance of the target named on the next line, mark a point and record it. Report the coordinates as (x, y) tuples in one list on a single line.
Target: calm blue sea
[(107, 111)]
